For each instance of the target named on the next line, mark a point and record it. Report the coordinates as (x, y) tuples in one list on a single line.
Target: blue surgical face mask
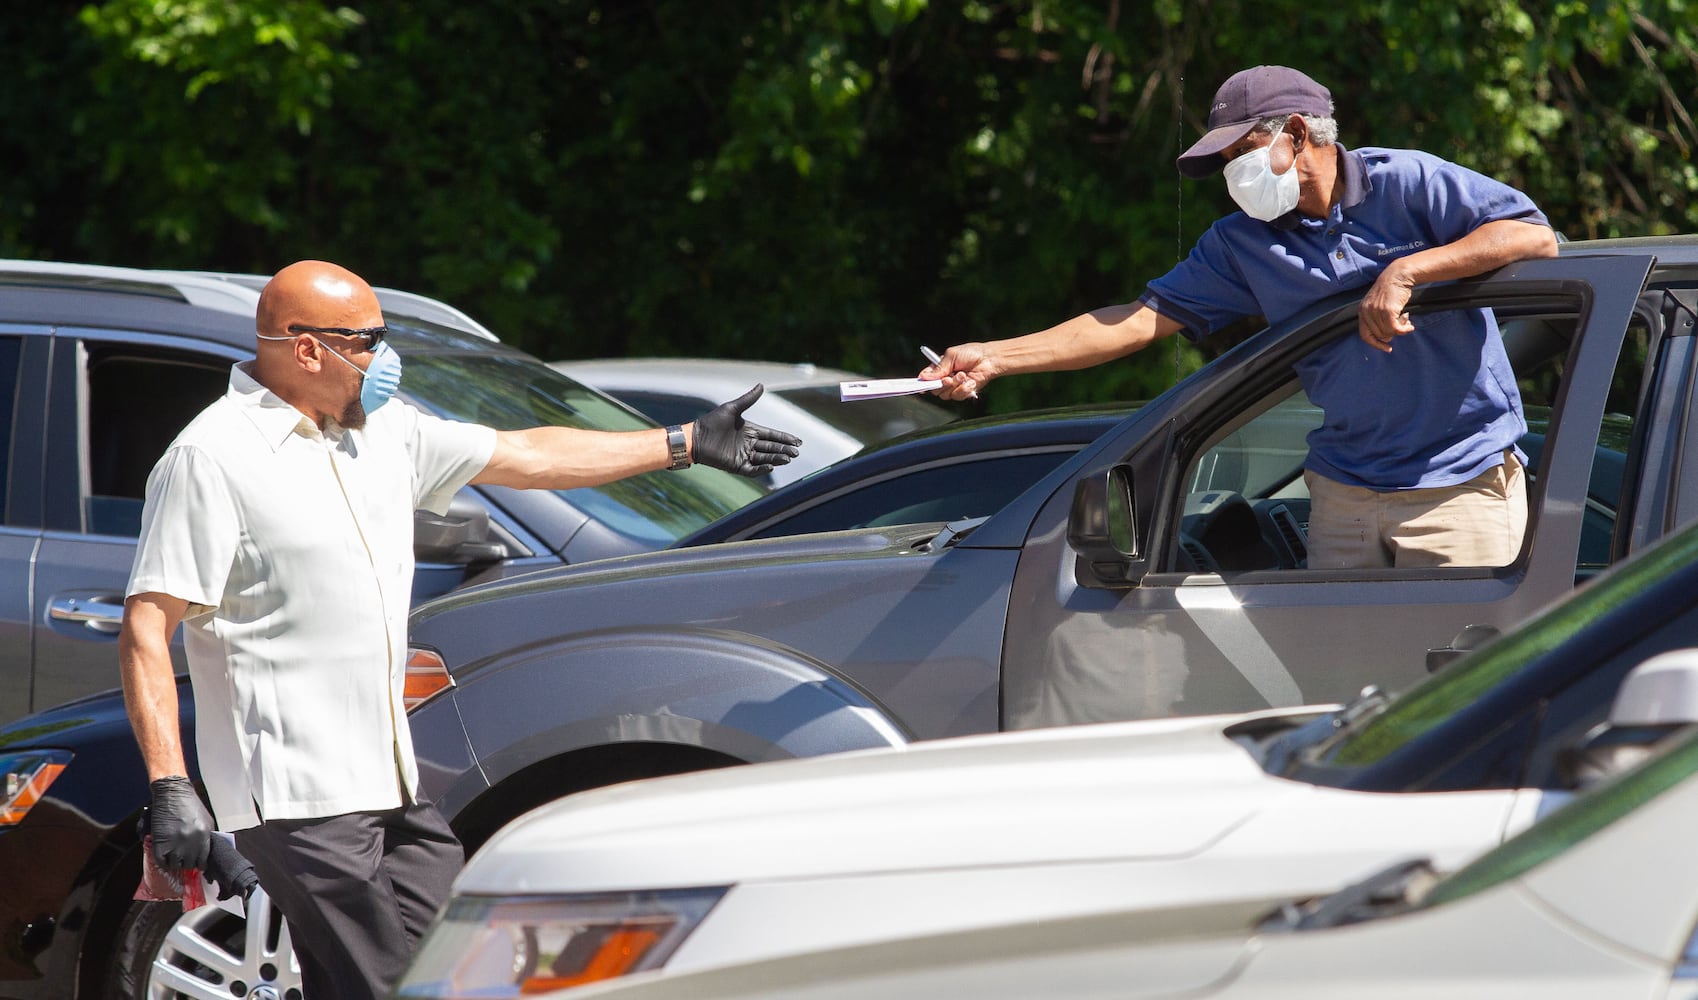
[(380, 378), (1260, 192)]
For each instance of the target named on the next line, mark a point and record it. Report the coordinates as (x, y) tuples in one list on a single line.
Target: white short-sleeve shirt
[(294, 549)]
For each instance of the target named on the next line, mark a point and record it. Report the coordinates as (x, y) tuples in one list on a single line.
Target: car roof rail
[(177, 286), (393, 300), (223, 291)]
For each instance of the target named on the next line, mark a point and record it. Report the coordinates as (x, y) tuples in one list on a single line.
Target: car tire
[(164, 953)]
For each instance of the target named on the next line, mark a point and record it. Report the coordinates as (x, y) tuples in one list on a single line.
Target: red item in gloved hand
[(159, 885)]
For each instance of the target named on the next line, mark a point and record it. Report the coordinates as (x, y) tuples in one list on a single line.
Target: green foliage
[(825, 180), (170, 116)]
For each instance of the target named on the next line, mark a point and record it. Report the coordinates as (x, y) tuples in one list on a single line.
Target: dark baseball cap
[(1248, 97)]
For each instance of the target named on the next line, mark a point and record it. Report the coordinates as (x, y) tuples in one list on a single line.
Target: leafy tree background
[(833, 181)]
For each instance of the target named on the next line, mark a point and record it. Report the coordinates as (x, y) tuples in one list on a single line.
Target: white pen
[(931, 356)]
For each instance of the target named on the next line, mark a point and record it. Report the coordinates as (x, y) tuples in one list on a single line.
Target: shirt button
[(1339, 255)]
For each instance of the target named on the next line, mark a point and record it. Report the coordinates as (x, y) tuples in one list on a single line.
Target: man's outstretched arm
[(563, 458), (1085, 340)]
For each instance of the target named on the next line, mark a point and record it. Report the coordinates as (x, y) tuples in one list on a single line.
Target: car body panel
[(921, 627), (1199, 643), (1593, 900), (954, 835), (74, 853)]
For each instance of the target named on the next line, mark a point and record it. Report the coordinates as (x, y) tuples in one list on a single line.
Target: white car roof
[(702, 376)]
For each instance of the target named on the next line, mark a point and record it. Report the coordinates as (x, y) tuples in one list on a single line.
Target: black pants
[(358, 891)]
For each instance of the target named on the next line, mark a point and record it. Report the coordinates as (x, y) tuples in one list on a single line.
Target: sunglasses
[(371, 336)]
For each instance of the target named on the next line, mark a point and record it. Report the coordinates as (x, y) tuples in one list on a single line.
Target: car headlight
[(427, 676), (509, 946), (24, 777)]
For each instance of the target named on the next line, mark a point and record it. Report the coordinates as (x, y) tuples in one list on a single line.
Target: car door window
[(1243, 505), (137, 400)]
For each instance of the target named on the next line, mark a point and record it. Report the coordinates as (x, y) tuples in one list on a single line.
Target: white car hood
[(1142, 790)]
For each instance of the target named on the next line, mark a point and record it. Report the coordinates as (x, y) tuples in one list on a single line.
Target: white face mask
[(1260, 192)]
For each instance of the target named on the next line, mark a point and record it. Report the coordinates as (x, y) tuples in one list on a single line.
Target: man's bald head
[(316, 293), (315, 299)]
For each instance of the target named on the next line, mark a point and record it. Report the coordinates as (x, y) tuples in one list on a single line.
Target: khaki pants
[(1477, 523)]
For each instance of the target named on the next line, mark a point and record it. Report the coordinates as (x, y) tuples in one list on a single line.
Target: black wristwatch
[(680, 450)]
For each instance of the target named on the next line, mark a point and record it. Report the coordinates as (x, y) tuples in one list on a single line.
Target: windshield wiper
[(1385, 893), (953, 532), (1280, 752)]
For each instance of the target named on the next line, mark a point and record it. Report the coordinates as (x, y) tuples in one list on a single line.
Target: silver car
[(100, 367), (801, 398)]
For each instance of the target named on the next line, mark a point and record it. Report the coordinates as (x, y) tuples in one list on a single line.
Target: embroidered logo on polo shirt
[(1401, 248)]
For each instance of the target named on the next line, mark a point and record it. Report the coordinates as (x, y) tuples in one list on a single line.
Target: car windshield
[(512, 392), (1572, 824), (1370, 737), (868, 420)]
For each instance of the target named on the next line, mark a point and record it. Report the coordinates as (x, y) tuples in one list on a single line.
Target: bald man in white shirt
[(277, 530)]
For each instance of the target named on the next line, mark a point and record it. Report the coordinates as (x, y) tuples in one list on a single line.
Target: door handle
[(103, 613), (1471, 637)]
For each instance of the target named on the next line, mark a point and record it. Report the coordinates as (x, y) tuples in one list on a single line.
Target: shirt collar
[(1353, 172), (275, 419)]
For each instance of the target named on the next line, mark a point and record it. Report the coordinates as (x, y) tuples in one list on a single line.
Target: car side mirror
[(1103, 530), (1656, 699), (459, 537), (1659, 692)]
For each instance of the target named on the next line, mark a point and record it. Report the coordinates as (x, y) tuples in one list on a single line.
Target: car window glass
[(138, 401), (1245, 504), (1608, 485), (1243, 501), (662, 407), (512, 392), (941, 493)]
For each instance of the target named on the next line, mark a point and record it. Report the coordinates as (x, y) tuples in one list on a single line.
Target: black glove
[(724, 440), (233, 873), (182, 828)]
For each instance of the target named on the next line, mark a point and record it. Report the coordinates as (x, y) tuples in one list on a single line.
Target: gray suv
[(1161, 571), (99, 369)]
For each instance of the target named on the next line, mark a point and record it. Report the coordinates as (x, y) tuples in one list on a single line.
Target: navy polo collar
[(1353, 172)]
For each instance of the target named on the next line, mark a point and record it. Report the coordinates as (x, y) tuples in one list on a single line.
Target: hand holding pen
[(954, 374)]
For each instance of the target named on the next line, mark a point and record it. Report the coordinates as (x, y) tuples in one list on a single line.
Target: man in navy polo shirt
[(1415, 463)]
